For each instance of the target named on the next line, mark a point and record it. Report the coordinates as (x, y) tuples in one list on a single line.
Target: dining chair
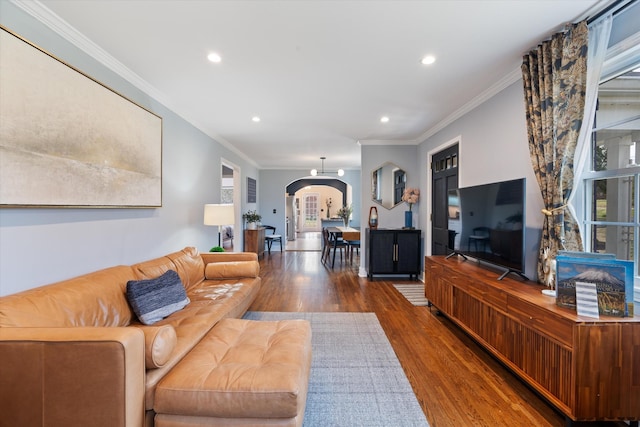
[(351, 245), (325, 245), (352, 240), (331, 242), (273, 237)]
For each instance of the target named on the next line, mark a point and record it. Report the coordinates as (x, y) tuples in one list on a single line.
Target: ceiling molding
[(493, 90), (388, 142), (66, 31), (48, 18)]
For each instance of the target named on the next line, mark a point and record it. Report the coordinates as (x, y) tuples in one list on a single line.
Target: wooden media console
[(588, 368)]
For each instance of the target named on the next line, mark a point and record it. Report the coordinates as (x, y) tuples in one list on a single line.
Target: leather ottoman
[(242, 373)]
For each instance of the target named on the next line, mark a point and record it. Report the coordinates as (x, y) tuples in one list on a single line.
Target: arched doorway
[(310, 202)]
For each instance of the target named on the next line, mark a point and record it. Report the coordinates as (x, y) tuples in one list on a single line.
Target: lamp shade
[(218, 215)]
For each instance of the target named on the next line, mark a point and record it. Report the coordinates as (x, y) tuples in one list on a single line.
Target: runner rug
[(356, 378), (413, 293)]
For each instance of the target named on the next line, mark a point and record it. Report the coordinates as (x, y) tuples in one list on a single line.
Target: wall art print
[(252, 190), (67, 140)]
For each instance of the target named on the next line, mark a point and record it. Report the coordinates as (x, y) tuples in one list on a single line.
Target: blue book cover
[(613, 279)]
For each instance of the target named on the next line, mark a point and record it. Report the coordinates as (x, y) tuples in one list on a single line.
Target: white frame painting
[(66, 140)]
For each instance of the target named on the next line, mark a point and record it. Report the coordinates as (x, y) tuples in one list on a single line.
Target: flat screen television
[(487, 223)]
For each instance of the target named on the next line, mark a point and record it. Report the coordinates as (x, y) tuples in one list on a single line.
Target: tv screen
[(487, 222)]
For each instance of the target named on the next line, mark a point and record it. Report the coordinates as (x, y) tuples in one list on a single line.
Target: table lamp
[(218, 214)]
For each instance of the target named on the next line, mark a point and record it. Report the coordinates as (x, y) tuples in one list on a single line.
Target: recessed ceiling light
[(384, 119), (427, 60), (214, 57), (255, 119)]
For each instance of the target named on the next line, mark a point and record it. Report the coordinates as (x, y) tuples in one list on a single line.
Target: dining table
[(346, 233)]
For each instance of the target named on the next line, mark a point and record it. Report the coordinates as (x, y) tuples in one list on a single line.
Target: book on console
[(613, 279)]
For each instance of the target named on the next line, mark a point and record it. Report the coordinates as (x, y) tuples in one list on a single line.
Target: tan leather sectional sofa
[(73, 353)]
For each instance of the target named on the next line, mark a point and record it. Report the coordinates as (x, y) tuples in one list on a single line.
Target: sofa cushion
[(189, 265), (153, 268), (233, 269), (241, 369), (94, 299), (159, 343), (155, 299)]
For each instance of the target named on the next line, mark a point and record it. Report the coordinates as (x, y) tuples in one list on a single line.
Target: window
[(226, 188), (611, 185)]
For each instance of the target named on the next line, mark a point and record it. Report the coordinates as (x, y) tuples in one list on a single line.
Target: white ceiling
[(321, 73)]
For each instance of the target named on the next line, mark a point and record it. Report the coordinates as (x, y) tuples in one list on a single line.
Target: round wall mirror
[(387, 185)]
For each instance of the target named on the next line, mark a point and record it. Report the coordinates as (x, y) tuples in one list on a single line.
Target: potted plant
[(252, 218), (345, 213)]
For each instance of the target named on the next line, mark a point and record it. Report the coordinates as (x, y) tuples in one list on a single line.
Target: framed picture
[(66, 140), (251, 190)]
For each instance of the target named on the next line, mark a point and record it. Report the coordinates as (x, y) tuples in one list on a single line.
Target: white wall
[(40, 246), (493, 147)]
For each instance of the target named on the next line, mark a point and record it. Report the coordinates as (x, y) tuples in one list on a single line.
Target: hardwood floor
[(456, 382)]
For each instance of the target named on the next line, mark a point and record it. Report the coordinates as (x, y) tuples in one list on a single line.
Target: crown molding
[(388, 142), (493, 90), (48, 18), (61, 27), (489, 93)]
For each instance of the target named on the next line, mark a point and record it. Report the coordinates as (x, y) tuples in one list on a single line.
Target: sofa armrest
[(76, 376), (209, 257)]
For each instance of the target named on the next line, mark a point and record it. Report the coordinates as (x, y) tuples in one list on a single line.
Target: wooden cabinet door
[(437, 290), (408, 252), (381, 251), (394, 252)]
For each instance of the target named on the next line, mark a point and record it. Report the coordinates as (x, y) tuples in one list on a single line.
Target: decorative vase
[(328, 212), (373, 217), (346, 221), (408, 219)]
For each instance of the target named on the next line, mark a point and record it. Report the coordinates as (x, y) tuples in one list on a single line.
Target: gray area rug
[(356, 378), (413, 293)]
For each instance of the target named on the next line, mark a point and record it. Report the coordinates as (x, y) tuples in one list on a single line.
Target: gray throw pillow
[(155, 299)]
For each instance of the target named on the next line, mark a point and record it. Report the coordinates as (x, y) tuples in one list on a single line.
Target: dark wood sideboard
[(588, 368), (393, 251), (254, 241)]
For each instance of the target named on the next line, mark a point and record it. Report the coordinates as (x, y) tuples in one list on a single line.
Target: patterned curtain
[(554, 77)]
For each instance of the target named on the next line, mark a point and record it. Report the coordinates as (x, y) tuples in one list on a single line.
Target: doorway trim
[(330, 182), (430, 154), (237, 201)]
